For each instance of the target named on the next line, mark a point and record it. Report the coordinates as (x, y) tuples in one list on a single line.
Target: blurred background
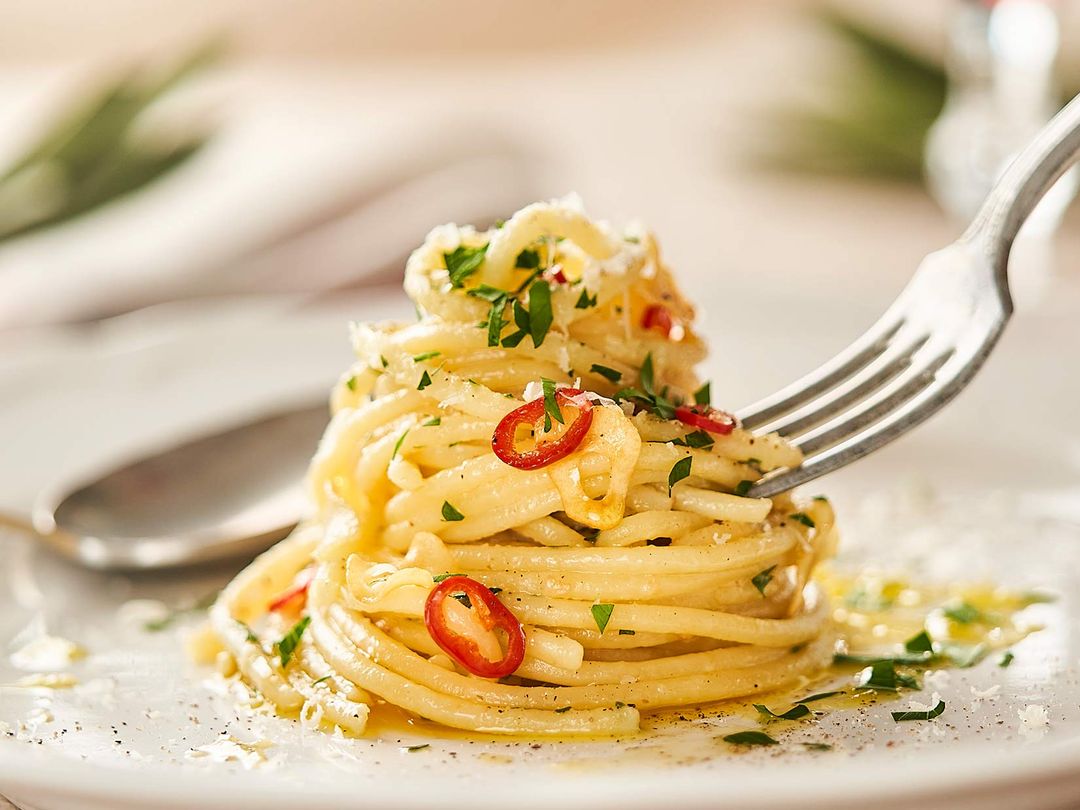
[(196, 197)]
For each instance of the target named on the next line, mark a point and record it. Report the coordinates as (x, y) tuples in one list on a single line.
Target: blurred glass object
[(1001, 90)]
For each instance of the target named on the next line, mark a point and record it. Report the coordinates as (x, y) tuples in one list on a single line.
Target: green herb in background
[(92, 156)]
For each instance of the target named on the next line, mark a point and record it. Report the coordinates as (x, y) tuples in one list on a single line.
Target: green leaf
[(551, 405), (495, 322), (882, 676), (794, 713), (750, 738), (679, 471), (323, 679), (919, 643), (425, 381), (435, 421), (902, 717), (602, 615), (913, 660), (763, 578), (964, 656), (488, 293), (820, 499), (964, 613), (742, 489), (287, 646), (413, 748), (703, 396), (562, 710), (441, 577), (463, 261), (816, 746), (1006, 659), (540, 315), (528, 259), (819, 696), (420, 358), (584, 301), (647, 375), (699, 439), (250, 634), (397, 444), (625, 632), (383, 361), (351, 383), (450, 513), (607, 373), (803, 518), (510, 341)]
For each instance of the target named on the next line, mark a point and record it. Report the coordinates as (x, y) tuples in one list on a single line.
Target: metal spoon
[(219, 496)]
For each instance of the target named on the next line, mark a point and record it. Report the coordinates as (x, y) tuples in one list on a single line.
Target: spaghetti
[(529, 519)]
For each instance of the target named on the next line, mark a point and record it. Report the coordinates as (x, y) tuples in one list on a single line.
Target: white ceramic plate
[(145, 728)]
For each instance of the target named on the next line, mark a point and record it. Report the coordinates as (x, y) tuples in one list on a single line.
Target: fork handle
[(1023, 183)]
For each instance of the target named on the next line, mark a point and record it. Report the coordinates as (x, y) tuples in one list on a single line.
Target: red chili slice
[(555, 274), (658, 317), (504, 440), (706, 417), (293, 598), (491, 613)]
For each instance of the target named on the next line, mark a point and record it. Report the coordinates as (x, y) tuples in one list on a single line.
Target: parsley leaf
[(287, 646), (397, 445), (607, 373), (602, 615), (750, 738), (450, 513), (540, 315), (434, 421), (626, 632), (819, 696), (425, 381), (965, 656), (254, 639), (679, 471), (901, 717), (803, 518), (551, 405), (816, 746), (528, 259), (703, 396), (420, 358), (321, 680), (1006, 659), (648, 398), (411, 748), (439, 578), (700, 439), (351, 383), (562, 710), (463, 261), (742, 489), (794, 713), (964, 613), (763, 578), (919, 643), (584, 301), (882, 676)]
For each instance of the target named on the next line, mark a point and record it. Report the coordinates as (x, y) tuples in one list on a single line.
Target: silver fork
[(929, 343)]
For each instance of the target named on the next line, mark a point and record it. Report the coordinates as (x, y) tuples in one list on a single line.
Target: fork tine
[(904, 388), (843, 366), (883, 370), (917, 409)]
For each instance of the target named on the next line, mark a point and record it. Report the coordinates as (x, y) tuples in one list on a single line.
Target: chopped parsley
[(528, 259), (819, 696), (463, 261), (425, 381), (495, 321), (562, 710), (920, 643), (646, 397), (551, 405), (762, 578), (420, 358), (602, 615), (1006, 659), (796, 712), (540, 315), (321, 680), (882, 676), (703, 396), (411, 748), (383, 361), (626, 632), (965, 656), (397, 445), (901, 717), (287, 646), (679, 471), (463, 598), (250, 634), (742, 489), (750, 738), (434, 421), (351, 383), (820, 499), (584, 301), (816, 746), (441, 577), (450, 513), (964, 613), (803, 518), (607, 373)]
